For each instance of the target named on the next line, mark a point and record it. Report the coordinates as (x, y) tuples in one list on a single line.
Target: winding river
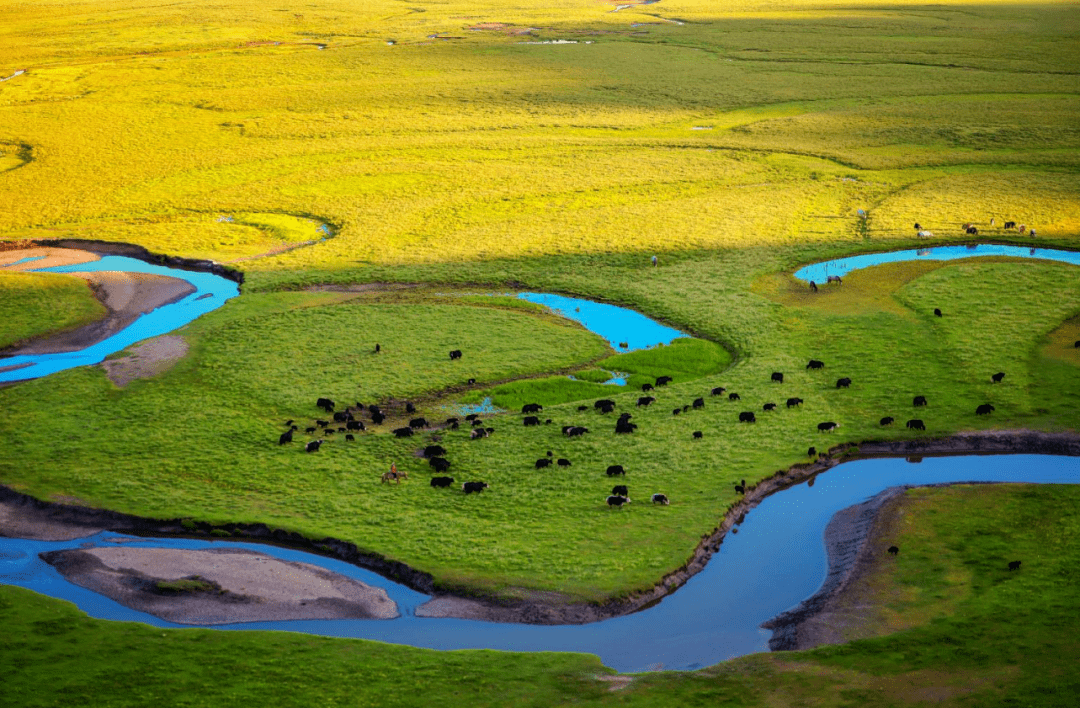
[(776, 559)]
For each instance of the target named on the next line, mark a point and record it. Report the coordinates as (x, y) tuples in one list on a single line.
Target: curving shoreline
[(24, 516)]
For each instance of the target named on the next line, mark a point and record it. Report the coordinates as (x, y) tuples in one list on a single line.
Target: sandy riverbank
[(126, 297), (219, 586)]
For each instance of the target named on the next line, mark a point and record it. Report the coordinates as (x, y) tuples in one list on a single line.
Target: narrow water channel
[(776, 560), (818, 272)]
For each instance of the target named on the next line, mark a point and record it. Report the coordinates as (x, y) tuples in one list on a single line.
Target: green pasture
[(449, 146), (265, 358), (32, 304), (970, 633)]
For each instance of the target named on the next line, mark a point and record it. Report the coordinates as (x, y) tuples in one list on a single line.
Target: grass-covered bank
[(33, 304), (266, 357), (963, 630)]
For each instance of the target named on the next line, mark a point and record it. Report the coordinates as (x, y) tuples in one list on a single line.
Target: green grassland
[(965, 631), (447, 145), (35, 303), (267, 357)]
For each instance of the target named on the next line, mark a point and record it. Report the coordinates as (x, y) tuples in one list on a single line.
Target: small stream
[(776, 560), (818, 272)]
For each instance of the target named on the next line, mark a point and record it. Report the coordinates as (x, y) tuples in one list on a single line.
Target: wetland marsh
[(355, 160)]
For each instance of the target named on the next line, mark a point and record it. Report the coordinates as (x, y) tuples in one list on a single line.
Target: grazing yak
[(349, 437), (623, 427), (409, 407), (472, 416), (1014, 565), (477, 423), (740, 487), (984, 409), (576, 431), (322, 423), (996, 378), (313, 446), (663, 380), (697, 435), (812, 452), (326, 404), (478, 433), (342, 416), (660, 499), (893, 550), (582, 408), (474, 487), (676, 411), (937, 312), (438, 482), (719, 390), (915, 424), (530, 420), (827, 427), (607, 408), (542, 463), (613, 470), (918, 401), (834, 279), (310, 430), (286, 437), (604, 403), (456, 354), (815, 364), (402, 432), (698, 403), (792, 402), (620, 490), (377, 418), (355, 425), (971, 230), (434, 451), (616, 501), (645, 400), (562, 462), (646, 387), (887, 420), (531, 408), (1009, 225), (451, 421), (778, 377), (439, 464), (418, 423), (734, 397), (747, 417), (843, 383), (769, 407)]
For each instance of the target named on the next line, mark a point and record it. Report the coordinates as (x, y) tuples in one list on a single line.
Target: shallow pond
[(211, 292), (818, 272), (776, 560)]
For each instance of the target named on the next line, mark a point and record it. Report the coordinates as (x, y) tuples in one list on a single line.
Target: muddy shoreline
[(125, 296), (27, 517)]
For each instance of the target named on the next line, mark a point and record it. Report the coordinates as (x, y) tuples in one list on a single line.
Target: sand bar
[(239, 585)]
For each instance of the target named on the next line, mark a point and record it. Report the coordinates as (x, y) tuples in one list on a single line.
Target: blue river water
[(817, 272), (776, 560), (617, 325), (211, 293)]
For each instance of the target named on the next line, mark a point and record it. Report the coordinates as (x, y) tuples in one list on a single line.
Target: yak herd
[(348, 421)]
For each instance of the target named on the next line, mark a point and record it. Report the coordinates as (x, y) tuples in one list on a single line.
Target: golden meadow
[(449, 131)]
